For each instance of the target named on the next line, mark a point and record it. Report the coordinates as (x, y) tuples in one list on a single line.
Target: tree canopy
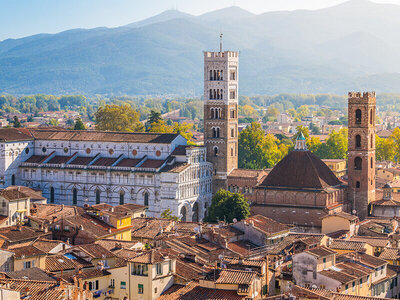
[(226, 206), (79, 124), (113, 117)]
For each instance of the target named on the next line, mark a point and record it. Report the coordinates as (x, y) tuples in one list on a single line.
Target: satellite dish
[(354, 211), (220, 257), (314, 286), (196, 229), (234, 220)]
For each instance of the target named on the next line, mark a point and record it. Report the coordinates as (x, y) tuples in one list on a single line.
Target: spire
[(300, 142), (220, 42)]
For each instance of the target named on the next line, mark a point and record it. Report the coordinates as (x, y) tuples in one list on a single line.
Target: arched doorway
[(74, 196), (183, 214), (51, 195), (98, 196), (121, 197), (146, 199), (195, 216)]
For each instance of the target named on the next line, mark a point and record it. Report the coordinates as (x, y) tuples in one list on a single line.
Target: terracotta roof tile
[(236, 277), (36, 159), (301, 169), (82, 160), (320, 251), (105, 161), (27, 251), (101, 136), (128, 162), (373, 241), (267, 225), (347, 245), (152, 163), (14, 134), (31, 274), (56, 263), (38, 290), (390, 254)]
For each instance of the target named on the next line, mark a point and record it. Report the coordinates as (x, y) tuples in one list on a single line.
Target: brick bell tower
[(221, 113), (361, 153)]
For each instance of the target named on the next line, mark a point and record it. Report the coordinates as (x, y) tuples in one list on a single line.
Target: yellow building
[(339, 221), (338, 166), (151, 274), (28, 257), (388, 174)]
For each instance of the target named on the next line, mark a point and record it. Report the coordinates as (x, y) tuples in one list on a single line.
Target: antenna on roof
[(220, 42)]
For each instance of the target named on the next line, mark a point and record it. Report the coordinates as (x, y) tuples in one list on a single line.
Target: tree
[(314, 129), (79, 124), (385, 149), (183, 129), (53, 122), (301, 129), (226, 206), (167, 214), (113, 117), (259, 151), (336, 145), (154, 117), (17, 123)]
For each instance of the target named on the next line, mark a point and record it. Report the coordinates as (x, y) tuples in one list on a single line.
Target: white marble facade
[(160, 172)]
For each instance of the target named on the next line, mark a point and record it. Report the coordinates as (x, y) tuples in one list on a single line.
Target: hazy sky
[(20, 18)]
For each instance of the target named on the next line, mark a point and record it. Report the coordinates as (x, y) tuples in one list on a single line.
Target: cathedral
[(162, 172)]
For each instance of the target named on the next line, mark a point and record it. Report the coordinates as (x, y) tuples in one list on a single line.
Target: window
[(216, 132), (233, 76), (90, 286), (353, 286), (358, 141), (146, 199), (232, 132), (170, 266), (112, 283), (232, 151), (159, 269), (155, 290), (96, 285), (372, 163), (66, 228), (51, 195), (27, 264), (139, 269), (13, 180), (74, 196), (358, 116), (232, 94), (7, 267), (123, 285), (98, 196), (140, 288), (361, 282), (324, 261), (371, 116), (232, 113), (215, 151), (121, 197), (357, 163), (358, 184)]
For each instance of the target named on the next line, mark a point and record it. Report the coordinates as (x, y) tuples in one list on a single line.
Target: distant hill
[(352, 46)]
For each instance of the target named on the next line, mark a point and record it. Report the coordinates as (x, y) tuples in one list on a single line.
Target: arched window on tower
[(372, 162), (146, 199), (358, 141), (52, 195), (232, 151), (74, 196), (372, 141), (358, 184), (215, 151), (217, 136), (219, 75), (358, 116), (211, 75), (222, 74), (371, 117), (215, 75), (98, 196), (211, 94), (212, 113), (121, 197), (357, 163), (215, 94)]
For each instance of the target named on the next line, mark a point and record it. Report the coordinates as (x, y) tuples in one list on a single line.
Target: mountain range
[(351, 46)]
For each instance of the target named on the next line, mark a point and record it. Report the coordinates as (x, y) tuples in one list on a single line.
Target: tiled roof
[(326, 294), (150, 257), (51, 211), (390, 254), (152, 163), (236, 277), (247, 173), (105, 161), (149, 228), (180, 150), (46, 245), (365, 259), (114, 245), (244, 262), (383, 202), (101, 136), (189, 270), (176, 167), (128, 162), (338, 276), (27, 251), (347, 245), (58, 159), (95, 250), (301, 169), (193, 291), (30, 274), (82, 160), (36, 159), (38, 290), (241, 248), (55, 263), (20, 192), (14, 134), (267, 225), (373, 241), (320, 251), (17, 234)]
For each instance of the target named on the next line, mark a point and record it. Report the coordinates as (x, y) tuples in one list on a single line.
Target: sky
[(19, 18)]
